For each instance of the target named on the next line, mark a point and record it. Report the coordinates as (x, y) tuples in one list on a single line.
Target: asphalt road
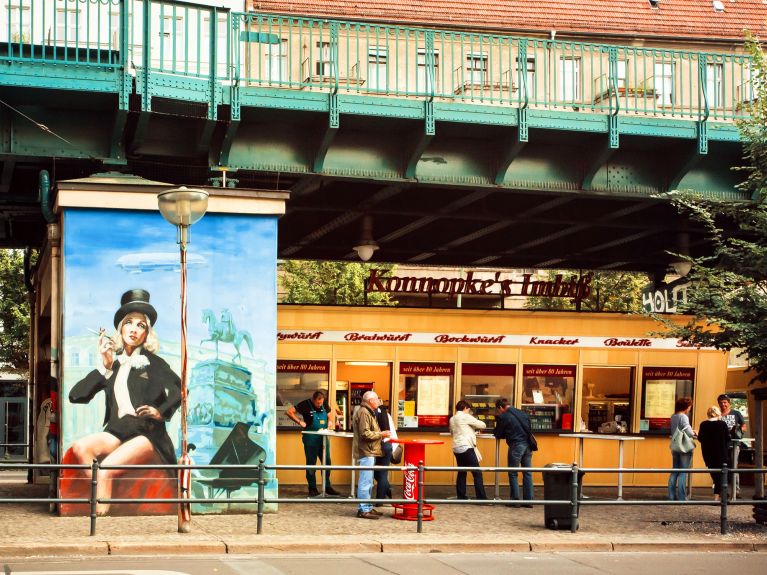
[(747, 563)]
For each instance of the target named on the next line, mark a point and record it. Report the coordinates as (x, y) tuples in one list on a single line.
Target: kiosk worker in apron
[(316, 414)]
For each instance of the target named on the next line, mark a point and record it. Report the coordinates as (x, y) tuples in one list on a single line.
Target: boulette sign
[(576, 288)]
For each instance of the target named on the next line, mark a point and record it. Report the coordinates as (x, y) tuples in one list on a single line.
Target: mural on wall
[(121, 355)]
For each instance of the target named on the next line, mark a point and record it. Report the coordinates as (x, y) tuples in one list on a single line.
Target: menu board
[(433, 395), (660, 397)]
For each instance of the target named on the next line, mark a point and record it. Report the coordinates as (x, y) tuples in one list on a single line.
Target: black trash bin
[(558, 487)]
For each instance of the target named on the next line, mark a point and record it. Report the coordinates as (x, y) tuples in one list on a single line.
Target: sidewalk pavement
[(308, 527)]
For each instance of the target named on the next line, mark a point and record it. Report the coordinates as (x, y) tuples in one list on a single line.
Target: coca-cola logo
[(410, 481)]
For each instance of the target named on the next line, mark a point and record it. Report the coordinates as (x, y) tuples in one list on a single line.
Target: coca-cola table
[(414, 453)]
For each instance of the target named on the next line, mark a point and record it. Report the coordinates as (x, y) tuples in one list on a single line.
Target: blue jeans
[(382, 477), (677, 481), (365, 482), (520, 455)]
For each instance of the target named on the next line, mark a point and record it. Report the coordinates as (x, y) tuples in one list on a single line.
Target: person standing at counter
[(513, 425), (677, 481), (385, 423), (714, 440), (316, 414), (366, 446), (463, 429)]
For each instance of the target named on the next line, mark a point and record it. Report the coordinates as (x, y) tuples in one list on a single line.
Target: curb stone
[(453, 546)]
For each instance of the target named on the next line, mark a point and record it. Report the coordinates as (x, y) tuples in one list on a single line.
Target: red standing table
[(414, 452)]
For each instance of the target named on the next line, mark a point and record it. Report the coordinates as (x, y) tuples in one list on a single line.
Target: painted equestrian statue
[(224, 330)]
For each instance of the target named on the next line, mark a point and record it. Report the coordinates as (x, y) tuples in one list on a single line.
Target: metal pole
[(260, 512), (723, 496), (185, 475), (420, 496), (574, 499), (94, 494)]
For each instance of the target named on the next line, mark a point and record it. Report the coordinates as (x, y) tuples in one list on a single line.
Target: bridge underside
[(442, 184)]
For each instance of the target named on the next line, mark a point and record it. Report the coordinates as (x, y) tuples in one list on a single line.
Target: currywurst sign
[(576, 288)]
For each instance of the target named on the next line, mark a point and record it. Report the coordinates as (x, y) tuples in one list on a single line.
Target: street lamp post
[(182, 207)]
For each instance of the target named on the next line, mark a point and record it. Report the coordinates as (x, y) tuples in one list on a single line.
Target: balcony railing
[(253, 51)]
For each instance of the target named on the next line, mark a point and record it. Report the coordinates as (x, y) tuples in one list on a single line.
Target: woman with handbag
[(714, 440), (682, 446), (463, 428)]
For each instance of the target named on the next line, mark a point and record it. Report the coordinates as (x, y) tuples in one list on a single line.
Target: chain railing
[(254, 51), (264, 473)]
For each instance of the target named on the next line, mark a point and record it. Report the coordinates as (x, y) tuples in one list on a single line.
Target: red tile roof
[(671, 19)]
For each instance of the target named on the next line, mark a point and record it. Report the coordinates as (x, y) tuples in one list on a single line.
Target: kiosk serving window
[(547, 396), (484, 383), (424, 395), (661, 387), (297, 380)]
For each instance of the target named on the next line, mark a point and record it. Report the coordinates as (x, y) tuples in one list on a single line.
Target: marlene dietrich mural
[(141, 393), (122, 388)]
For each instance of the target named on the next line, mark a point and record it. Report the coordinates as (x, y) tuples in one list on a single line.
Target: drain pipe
[(54, 242)]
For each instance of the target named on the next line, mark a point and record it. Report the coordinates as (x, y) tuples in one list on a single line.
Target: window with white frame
[(424, 80), (68, 24), (277, 61), (529, 77), (172, 37), (664, 83), (378, 67), (714, 85), (324, 63), (204, 47), (476, 68), (622, 72), (20, 22), (570, 79)]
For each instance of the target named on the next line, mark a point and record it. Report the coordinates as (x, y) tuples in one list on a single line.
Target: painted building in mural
[(120, 259)]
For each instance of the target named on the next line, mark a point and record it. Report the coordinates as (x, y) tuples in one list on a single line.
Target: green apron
[(319, 421)]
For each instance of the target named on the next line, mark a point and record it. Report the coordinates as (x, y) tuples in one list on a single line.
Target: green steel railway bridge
[(449, 147)]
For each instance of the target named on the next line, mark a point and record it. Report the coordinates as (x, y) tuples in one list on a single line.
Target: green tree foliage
[(728, 297), (14, 311), (330, 283), (610, 292)]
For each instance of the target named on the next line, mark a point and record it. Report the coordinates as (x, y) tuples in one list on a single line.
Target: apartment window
[(714, 85), (21, 23), (424, 80), (74, 359), (378, 68), (172, 34), (529, 77), (570, 79), (68, 24), (664, 83), (622, 72), (476, 68), (277, 61), (324, 64)]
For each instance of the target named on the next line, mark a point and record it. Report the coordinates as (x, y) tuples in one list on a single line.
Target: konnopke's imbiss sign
[(301, 336)]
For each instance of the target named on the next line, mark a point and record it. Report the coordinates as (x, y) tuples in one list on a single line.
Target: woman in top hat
[(141, 393)]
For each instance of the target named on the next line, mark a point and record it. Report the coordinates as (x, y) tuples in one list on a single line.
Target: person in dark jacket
[(141, 393), (513, 425), (714, 440)]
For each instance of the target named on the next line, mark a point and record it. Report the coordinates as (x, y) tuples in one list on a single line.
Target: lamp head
[(365, 250), (183, 206)]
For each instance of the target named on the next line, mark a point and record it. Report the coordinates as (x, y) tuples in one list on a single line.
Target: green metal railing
[(255, 51)]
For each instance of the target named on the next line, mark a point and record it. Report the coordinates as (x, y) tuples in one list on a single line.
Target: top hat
[(136, 300)]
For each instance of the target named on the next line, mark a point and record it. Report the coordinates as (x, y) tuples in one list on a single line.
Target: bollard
[(420, 497), (723, 501), (260, 508), (94, 491), (574, 499)]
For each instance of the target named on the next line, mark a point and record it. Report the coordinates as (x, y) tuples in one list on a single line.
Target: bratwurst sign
[(576, 288)]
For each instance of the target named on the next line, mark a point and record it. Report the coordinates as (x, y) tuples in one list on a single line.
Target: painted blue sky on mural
[(138, 250)]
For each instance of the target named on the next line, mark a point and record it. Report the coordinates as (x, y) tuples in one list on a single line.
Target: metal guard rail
[(575, 500), (252, 51)]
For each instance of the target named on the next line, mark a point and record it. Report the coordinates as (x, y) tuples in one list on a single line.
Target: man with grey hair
[(366, 446)]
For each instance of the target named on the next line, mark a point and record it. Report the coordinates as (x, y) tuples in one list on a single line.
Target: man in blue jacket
[(513, 425)]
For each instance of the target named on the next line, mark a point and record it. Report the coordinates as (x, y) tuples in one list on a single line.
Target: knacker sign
[(576, 289)]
